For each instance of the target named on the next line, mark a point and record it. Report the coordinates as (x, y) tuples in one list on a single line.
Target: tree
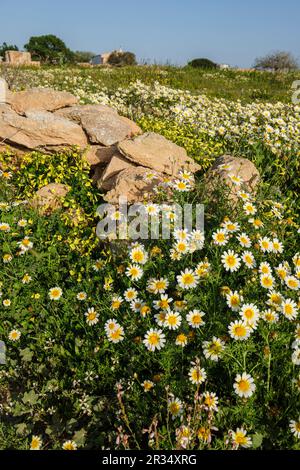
[(49, 49), (276, 61), (203, 63), (83, 56), (119, 58), (7, 47)]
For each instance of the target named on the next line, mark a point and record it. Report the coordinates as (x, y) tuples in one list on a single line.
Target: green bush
[(120, 59), (203, 64)]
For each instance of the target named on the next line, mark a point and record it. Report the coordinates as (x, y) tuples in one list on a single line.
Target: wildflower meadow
[(189, 342)]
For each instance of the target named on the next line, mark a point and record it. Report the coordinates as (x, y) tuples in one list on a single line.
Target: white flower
[(187, 279), (213, 349), (91, 316), (220, 237), (154, 339), (197, 375), (244, 240), (239, 330), (244, 385), (289, 309), (175, 407), (295, 427), (55, 293), (230, 261), (134, 272), (195, 318), (240, 438), (138, 255), (172, 320)]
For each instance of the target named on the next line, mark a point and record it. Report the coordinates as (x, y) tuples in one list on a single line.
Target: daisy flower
[(4, 227), (130, 294), (6, 303), (116, 335), (134, 272), (265, 244), (55, 293), (220, 237), (116, 302), (277, 246), (249, 208), (187, 279), (230, 261), (270, 316), (181, 246), (202, 269), (274, 298), (172, 320), (158, 286), (175, 407), (239, 330), (69, 445), (81, 296), (110, 325), (289, 309), (7, 258), (257, 223), (210, 400), (240, 438), (249, 314), (244, 240), (213, 349), (91, 316), (230, 226), (197, 375), (179, 305), (147, 385), (295, 427), (182, 234), (236, 180), (234, 300), (36, 443), (163, 303), (26, 279), (154, 339), (145, 310), (14, 335), (138, 255), (181, 340), (181, 185), (292, 282), (195, 318), (248, 259), (97, 265), (282, 271), (22, 223), (136, 305), (243, 195), (265, 268), (25, 244), (160, 318), (267, 281), (244, 385)]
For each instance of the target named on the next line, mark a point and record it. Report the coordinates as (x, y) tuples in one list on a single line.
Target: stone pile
[(119, 154)]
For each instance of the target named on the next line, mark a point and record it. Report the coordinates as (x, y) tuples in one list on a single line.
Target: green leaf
[(21, 428), (26, 354), (257, 440), (30, 397), (79, 437)]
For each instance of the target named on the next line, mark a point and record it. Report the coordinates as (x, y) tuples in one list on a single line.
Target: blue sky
[(227, 31)]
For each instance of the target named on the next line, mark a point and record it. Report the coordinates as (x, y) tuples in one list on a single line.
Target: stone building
[(19, 58)]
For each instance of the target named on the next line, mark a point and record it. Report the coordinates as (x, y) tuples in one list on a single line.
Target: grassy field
[(247, 86), (197, 347)]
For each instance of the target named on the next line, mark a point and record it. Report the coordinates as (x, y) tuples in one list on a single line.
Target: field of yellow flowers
[(187, 343)]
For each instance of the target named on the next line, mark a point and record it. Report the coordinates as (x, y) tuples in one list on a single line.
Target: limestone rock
[(133, 184), (40, 129), (115, 166), (41, 99), (50, 197), (225, 168), (155, 151), (96, 154), (101, 123)]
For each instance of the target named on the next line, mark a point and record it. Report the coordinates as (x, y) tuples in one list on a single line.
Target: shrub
[(119, 58), (203, 64), (276, 61)]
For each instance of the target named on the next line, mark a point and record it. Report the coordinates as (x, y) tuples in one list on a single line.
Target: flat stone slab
[(155, 151)]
